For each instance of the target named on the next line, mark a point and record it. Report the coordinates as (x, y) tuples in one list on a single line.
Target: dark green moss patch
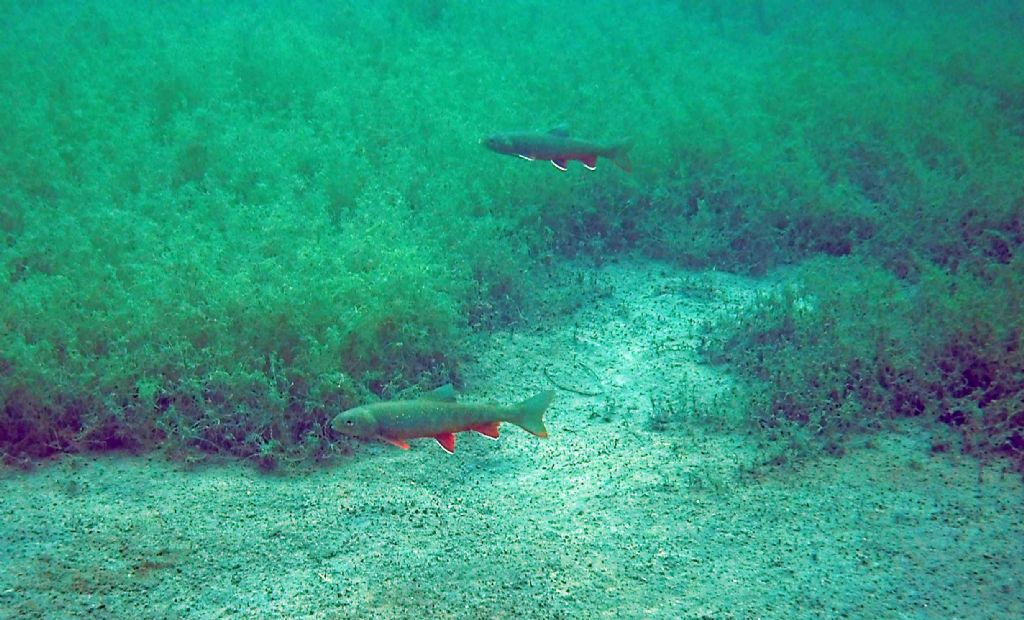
[(846, 348)]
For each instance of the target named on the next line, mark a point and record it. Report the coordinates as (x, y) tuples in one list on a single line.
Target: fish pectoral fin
[(589, 162), (526, 157), (399, 443), (488, 430), (447, 441), (560, 164)]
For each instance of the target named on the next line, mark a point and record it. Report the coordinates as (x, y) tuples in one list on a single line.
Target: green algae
[(222, 224)]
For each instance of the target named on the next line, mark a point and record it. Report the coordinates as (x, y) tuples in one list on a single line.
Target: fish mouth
[(498, 144)]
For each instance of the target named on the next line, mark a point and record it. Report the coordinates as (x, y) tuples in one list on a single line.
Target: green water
[(221, 223)]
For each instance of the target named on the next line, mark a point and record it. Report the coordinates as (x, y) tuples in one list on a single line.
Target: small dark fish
[(559, 148)]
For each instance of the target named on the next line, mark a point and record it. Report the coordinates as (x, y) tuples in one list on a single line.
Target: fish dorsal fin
[(445, 393), (561, 130)]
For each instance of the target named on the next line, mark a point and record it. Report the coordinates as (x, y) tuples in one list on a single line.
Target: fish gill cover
[(222, 223)]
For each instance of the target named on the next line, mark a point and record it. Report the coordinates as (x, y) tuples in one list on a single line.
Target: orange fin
[(401, 443), (488, 430), (447, 441)]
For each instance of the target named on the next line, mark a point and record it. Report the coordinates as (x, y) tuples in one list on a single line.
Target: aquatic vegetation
[(204, 248), (220, 225), (847, 347)]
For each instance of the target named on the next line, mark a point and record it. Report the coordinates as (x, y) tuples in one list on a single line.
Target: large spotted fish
[(437, 414)]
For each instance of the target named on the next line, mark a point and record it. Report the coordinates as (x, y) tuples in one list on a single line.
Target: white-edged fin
[(526, 157), (447, 442), (560, 164), (445, 393), (489, 430), (589, 166)]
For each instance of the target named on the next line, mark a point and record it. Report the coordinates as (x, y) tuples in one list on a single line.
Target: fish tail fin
[(619, 154), (529, 414)]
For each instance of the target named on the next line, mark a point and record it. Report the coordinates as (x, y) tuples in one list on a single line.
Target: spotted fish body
[(437, 414), (559, 148)]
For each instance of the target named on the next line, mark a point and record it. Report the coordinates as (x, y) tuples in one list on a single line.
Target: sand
[(645, 502)]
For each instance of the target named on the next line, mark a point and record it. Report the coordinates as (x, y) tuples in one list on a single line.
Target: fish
[(438, 414), (558, 147)]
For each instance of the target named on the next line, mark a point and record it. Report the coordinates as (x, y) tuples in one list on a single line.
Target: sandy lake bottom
[(613, 516)]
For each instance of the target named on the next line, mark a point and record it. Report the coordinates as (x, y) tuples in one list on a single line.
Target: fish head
[(356, 422), (500, 144)]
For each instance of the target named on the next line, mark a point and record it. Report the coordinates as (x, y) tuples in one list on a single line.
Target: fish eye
[(348, 422)]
